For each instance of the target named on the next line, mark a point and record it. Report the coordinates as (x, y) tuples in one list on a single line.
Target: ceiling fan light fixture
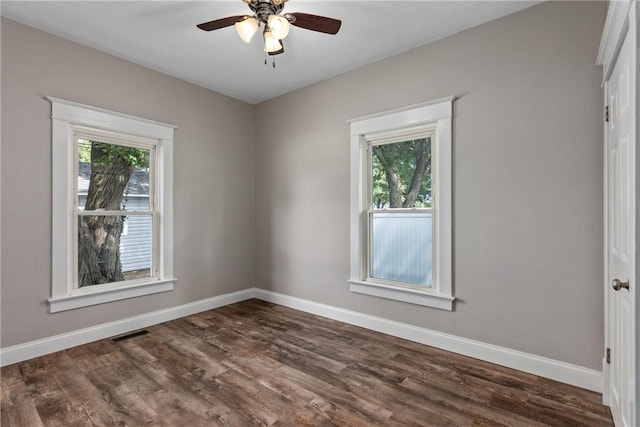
[(271, 43), (247, 28), (279, 26), (276, 24)]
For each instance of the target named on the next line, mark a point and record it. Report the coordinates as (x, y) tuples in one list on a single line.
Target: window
[(112, 206), (401, 204), (105, 253), (400, 215)]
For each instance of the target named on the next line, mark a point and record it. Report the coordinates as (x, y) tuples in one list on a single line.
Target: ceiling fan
[(276, 25)]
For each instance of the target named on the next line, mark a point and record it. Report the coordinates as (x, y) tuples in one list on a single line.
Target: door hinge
[(608, 355), (606, 113)]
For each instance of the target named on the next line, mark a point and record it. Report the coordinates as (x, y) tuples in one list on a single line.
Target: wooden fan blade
[(220, 23), (321, 24), (278, 52)]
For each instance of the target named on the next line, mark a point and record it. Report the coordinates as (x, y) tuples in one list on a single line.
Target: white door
[(621, 205)]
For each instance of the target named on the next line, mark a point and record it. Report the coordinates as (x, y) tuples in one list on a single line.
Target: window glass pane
[(401, 247), (401, 174), (112, 176), (105, 255)]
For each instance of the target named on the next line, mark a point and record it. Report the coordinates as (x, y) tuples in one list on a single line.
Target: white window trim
[(64, 116), (440, 113)]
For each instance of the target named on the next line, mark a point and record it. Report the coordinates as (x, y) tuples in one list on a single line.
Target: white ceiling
[(162, 35)]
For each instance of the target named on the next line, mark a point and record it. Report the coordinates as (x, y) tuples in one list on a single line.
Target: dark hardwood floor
[(256, 363)]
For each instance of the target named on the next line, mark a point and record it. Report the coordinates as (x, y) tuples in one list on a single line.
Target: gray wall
[(213, 178), (527, 181)]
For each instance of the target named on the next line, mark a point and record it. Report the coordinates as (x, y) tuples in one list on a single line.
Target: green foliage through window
[(401, 174), (109, 153)]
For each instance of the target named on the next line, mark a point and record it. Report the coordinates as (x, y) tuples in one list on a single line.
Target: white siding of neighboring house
[(401, 247), (135, 246)]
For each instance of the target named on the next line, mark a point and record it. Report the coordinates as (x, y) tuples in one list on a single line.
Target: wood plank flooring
[(256, 363)]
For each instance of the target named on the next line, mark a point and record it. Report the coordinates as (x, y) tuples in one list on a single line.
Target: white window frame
[(438, 114), (67, 118)]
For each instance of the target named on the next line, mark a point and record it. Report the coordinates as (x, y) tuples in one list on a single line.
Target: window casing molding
[(436, 115), (68, 118)]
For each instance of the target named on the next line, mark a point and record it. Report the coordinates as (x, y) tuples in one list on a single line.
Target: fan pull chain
[(273, 60)]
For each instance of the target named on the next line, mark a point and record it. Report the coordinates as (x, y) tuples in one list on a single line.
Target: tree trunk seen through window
[(99, 235), (402, 174)]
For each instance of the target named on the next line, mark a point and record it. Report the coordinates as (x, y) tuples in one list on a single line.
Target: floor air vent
[(131, 335)]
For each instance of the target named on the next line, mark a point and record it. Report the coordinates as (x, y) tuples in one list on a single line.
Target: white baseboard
[(537, 365), (29, 350)]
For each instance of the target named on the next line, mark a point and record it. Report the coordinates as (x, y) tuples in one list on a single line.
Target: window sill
[(107, 295), (412, 296)]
